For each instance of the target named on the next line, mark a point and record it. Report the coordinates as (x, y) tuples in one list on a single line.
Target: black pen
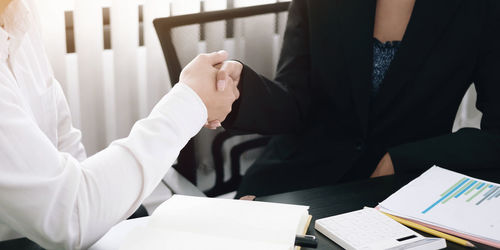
[(309, 241)]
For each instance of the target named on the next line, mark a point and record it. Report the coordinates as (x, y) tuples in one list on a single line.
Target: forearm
[(282, 105), (266, 106)]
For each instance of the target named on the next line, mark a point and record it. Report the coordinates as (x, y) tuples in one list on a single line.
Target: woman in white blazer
[(50, 191)]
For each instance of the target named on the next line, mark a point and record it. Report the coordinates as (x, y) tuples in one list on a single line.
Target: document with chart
[(448, 200)]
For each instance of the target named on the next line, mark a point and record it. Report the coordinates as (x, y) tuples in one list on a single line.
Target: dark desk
[(338, 199), (323, 202)]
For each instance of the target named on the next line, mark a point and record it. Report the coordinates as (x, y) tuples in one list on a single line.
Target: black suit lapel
[(356, 22), (429, 20)]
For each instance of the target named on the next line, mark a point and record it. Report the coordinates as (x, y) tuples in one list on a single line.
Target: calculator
[(370, 229)]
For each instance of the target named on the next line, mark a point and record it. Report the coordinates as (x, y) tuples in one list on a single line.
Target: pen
[(431, 231), (306, 241)]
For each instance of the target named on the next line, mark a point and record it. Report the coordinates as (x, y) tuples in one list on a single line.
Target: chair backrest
[(165, 26)]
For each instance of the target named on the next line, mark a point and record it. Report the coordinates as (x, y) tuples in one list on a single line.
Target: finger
[(209, 126), (230, 83), (216, 123), (216, 57), (236, 93), (233, 68), (221, 80), (248, 198), (213, 124)]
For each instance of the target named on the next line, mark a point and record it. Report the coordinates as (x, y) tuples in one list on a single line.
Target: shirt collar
[(16, 22)]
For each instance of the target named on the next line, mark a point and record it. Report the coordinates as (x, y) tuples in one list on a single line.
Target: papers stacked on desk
[(450, 202), (187, 223)]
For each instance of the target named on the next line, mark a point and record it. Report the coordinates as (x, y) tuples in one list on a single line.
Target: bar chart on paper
[(452, 201), (468, 190)]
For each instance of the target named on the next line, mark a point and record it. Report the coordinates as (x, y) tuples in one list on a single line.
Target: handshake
[(215, 80)]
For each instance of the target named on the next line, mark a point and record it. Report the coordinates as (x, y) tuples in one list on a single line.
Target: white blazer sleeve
[(62, 203)]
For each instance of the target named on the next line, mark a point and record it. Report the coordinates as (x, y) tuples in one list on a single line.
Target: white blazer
[(49, 191)]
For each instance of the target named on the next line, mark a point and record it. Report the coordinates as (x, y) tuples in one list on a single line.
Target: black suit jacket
[(319, 103)]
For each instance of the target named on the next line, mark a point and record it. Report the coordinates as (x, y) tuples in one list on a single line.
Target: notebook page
[(233, 219), (160, 239)]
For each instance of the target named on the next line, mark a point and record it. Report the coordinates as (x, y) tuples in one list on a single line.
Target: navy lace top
[(383, 54)]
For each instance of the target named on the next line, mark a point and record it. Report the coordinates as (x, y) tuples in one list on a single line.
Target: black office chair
[(186, 161)]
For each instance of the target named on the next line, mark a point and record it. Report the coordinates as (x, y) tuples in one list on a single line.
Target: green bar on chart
[(475, 186), (457, 192), (452, 187)]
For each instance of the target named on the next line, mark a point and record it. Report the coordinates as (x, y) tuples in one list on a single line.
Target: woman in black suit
[(369, 88)]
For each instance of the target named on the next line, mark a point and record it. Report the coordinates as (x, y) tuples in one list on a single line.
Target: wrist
[(197, 99), (184, 106)]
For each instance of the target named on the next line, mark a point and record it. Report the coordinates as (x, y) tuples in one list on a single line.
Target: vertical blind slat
[(186, 38), (215, 31), (157, 78), (124, 43), (89, 46)]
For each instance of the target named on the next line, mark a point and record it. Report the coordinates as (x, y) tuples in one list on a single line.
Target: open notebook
[(185, 222)]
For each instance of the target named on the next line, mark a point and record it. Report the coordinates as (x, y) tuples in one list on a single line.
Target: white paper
[(450, 200)]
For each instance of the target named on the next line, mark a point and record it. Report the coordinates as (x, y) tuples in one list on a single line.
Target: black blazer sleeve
[(468, 149), (280, 106)]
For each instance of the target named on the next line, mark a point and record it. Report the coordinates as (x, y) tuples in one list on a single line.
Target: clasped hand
[(215, 80)]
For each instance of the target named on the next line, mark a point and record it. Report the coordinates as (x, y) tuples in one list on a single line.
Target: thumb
[(217, 57), (221, 80)]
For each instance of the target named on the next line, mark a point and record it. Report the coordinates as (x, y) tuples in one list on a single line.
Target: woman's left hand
[(384, 167)]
